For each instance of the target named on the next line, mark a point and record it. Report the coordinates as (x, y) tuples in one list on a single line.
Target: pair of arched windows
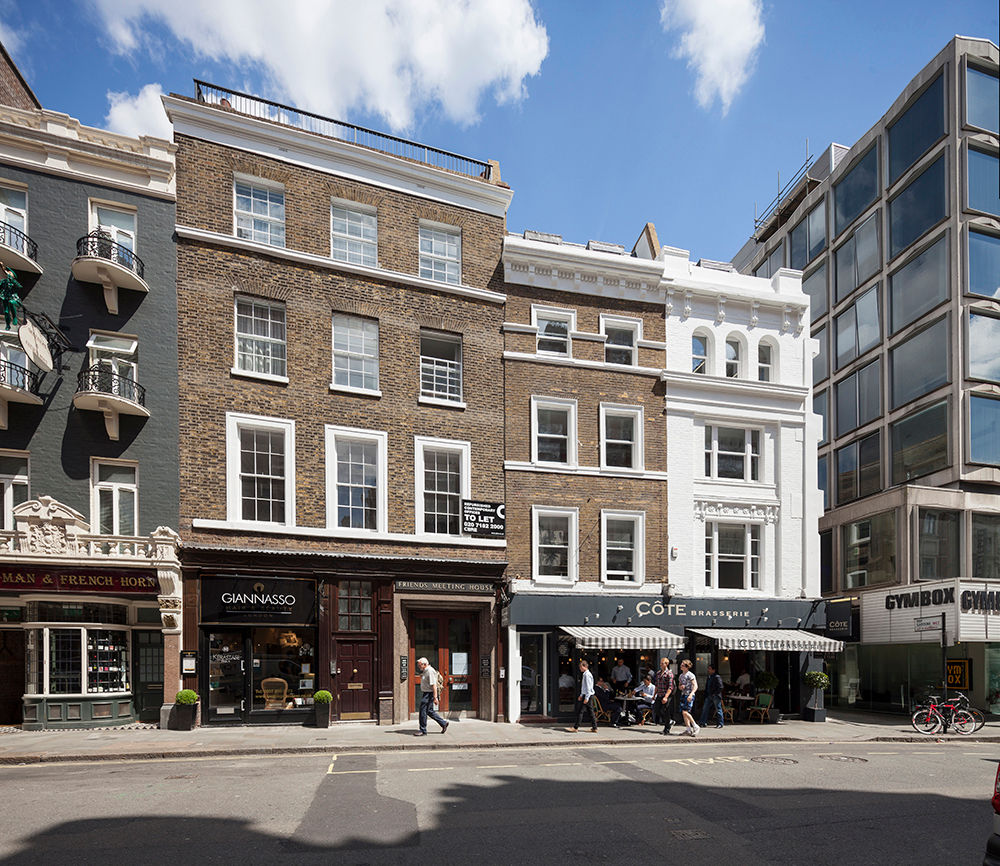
[(735, 360)]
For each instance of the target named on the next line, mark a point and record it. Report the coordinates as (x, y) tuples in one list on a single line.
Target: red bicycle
[(936, 717)]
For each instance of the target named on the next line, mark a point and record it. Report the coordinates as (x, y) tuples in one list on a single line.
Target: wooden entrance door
[(11, 675), (355, 670), (450, 642)]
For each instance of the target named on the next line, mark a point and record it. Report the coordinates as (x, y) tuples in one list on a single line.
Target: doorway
[(147, 680), (355, 666), (11, 675), (533, 675), (449, 642)]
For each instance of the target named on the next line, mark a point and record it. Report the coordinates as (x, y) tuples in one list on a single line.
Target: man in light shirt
[(584, 700), (621, 675), (429, 697)]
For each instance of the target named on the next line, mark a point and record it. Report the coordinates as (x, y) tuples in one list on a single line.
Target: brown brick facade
[(14, 90)]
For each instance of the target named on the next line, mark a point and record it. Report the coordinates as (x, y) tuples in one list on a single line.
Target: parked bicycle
[(936, 716), (962, 702)]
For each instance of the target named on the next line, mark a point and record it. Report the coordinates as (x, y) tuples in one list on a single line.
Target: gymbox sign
[(269, 601), (969, 611)]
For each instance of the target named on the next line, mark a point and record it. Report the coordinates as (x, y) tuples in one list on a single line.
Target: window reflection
[(284, 670), (984, 429), (918, 207)]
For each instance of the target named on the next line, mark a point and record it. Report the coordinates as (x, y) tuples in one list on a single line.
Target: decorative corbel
[(720, 315), (786, 321), (687, 304), (670, 301), (754, 311)]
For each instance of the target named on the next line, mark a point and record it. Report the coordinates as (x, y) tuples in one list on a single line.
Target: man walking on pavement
[(429, 697), (664, 682), (585, 697), (713, 698)]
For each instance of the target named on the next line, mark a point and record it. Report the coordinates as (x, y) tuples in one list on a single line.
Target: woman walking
[(687, 685)]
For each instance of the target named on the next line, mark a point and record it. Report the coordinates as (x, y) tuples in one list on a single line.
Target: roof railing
[(760, 221)]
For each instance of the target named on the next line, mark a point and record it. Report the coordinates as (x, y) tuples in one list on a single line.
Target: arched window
[(699, 354), (766, 369), (732, 358)]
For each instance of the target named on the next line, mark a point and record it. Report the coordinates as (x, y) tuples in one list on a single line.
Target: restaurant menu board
[(107, 661)]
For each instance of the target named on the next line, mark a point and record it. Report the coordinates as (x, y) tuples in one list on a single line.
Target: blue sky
[(598, 118)]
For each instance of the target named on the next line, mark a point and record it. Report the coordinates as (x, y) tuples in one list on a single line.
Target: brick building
[(340, 304)]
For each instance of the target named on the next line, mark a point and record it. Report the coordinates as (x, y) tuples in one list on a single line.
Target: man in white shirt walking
[(429, 697), (585, 697)]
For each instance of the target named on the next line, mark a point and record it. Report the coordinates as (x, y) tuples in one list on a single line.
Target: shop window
[(821, 360), (732, 555), (984, 182), (261, 340), (443, 481), (621, 434), (859, 398), (919, 443), (284, 671), (356, 482), (623, 543), (940, 554), (821, 407), (919, 207), (858, 259), (115, 498), (354, 234), (259, 212), (920, 364), (856, 190), (354, 605), (984, 264), (260, 463), (355, 354), (920, 285), (982, 99), (441, 254), (986, 546), (554, 551), (870, 551), (554, 327), (553, 424), (859, 327), (699, 354), (441, 366), (859, 469), (984, 429), (621, 337), (919, 127), (732, 453), (808, 238), (814, 285), (14, 486)]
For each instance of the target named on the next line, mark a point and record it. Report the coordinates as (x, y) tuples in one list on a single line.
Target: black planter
[(322, 713), (182, 717), (814, 714)]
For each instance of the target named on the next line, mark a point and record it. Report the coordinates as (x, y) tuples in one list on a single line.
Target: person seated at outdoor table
[(646, 693), (621, 675), (743, 682), (607, 702)]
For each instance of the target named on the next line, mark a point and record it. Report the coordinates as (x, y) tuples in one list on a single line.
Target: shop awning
[(623, 637), (779, 639)]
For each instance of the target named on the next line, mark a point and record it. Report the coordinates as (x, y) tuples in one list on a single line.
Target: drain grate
[(848, 759), (764, 759), (689, 834)]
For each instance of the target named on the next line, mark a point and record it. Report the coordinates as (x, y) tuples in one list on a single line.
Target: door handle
[(355, 670)]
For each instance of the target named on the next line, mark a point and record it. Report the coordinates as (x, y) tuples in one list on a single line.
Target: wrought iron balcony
[(100, 260), (17, 385), (100, 390), (17, 251), (101, 246)]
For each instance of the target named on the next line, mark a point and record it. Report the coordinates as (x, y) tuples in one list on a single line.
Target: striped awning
[(788, 639), (623, 637)]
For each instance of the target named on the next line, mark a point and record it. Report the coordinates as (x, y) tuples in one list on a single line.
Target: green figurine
[(10, 300)]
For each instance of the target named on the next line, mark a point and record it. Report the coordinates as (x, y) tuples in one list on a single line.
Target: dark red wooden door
[(355, 677), (11, 675)]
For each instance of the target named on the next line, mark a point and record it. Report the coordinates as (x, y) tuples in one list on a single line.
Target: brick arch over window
[(248, 165)]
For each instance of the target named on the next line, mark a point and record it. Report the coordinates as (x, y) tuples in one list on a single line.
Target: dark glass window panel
[(814, 285), (856, 190), (847, 337), (920, 364), (817, 230), (845, 272), (921, 284), (940, 553), (858, 259), (820, 408), (869, 322), (920, 126), (920, 443), (808, 238), (847, 405), (870, 465), (869, 392), (826, 561), (918, 207), (986, 546), (821, 362), (984, 347), (798, 252), (984, 429), (983, 94), (870, 550), (354, 605), (984, 264), (822, 481), (984, 181), (847, 473)]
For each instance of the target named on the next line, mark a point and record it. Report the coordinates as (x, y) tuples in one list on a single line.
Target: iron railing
[(15, 376), (440, 378), (101, 380), (18, 240), (254, 106), (778, 200), (98, 245)]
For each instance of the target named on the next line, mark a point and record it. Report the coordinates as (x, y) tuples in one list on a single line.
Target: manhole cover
[(772, 760), (689, 834), (850, 759)]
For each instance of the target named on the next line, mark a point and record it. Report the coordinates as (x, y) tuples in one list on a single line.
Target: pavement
[(146, 743)]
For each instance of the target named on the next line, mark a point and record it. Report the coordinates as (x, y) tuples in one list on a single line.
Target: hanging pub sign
[(484, 519), (254, 600)]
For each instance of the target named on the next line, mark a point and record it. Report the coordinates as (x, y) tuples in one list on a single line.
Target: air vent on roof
[(716, 266), (544, 237), (603, 247)]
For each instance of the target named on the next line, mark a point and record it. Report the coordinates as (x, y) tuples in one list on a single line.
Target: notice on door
[(459, 664)]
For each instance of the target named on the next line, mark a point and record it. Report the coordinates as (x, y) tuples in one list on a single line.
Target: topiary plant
[(816, 679), (765, 681), (186, 696), (322, 697)]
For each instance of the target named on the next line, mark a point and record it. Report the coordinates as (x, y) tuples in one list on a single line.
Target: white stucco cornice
[(716, 390), (340, 158)]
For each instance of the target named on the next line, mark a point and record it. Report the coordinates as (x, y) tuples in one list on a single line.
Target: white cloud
[(387, 57), (141, 114), (719, 39)]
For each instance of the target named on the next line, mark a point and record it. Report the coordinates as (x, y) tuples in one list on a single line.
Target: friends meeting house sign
[(249, 601)]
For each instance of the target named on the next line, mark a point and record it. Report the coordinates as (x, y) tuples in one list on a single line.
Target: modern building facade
[(898, 239), (89, 573)]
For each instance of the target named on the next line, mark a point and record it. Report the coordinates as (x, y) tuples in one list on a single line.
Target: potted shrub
[(322, 704), (814, 710), (185, 710)]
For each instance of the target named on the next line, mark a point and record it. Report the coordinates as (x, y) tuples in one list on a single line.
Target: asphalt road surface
[(693, 803)]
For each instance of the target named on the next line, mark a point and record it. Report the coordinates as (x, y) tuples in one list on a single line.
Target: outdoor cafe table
[(742, 702), (625, 701)]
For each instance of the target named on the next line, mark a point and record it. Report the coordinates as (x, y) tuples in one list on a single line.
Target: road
[(686, 802)]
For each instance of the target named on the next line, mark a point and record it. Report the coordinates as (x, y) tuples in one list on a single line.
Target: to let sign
[(484, 519), (958, 673)]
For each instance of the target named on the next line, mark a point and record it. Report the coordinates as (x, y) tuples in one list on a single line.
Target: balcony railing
[(18, 240), (97, 245), (254, 106), (15, 376), (101, 380), (440, 378)]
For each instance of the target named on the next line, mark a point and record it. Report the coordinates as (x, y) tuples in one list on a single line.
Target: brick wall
[(13, 90)]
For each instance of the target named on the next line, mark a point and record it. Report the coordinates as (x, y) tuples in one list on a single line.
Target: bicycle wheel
[(978, 716), (926, 721), (963, 722)]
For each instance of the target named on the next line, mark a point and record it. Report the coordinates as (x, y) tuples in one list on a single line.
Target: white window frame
[(622, 323), (538, 402), (353, 389), (434, 396), (380, 438), (235, 422), (360, 212), (117, 234), (269, 187), (770, 366), (740, 361), (6, 210), (96, 486), (427, 260), (271, 305), (7, 484), (704, 368), (612, 410), (748, 453), (121, 360), (572, 557), (455, 446), (638, 519), (748, 556), (560, 314)]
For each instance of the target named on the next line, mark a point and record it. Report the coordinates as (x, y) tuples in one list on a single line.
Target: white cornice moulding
[(585, 587), (194, 234), (331, 156), (714, 384), (578, 362), (594, 471)]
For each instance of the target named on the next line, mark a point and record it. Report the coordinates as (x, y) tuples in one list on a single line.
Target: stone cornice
[(716, 509)]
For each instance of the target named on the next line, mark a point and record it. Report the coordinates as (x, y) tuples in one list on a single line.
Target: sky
[(602, 115)]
